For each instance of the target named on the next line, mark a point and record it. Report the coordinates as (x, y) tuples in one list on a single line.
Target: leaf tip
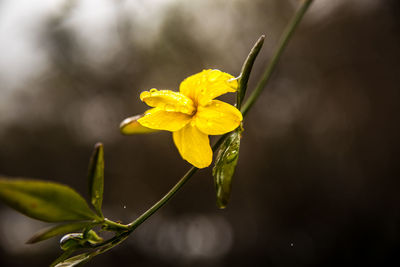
[(31, 240), (98, 145), (259, 42), (222, 204)]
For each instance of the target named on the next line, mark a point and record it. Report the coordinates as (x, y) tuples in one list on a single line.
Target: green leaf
[(225, 165), (60, 229), (45, 201), (96, 178), (75, 260), (62, 257), (246, 70), (85, 257)]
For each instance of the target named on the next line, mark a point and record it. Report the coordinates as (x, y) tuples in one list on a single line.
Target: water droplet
[(232, 155), (213, 76), (70, 240), (291, 244), (169, 108), (70, 236), (124, 206)]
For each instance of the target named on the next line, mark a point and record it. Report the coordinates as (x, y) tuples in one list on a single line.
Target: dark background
[(317, 182)]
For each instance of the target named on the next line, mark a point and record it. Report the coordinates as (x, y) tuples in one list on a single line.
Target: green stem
[(287, 34), (111, 225), (163, 200)]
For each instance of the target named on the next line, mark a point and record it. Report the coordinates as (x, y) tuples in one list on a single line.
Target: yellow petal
[(207, 85), (132, 126), (217, 118), (168, 100), (159, 119), (194, 146)]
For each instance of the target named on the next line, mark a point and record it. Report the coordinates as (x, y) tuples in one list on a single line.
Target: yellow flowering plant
[(192, 114)]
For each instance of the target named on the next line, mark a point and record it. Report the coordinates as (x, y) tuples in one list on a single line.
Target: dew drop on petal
[(214, 74), (169, 108)]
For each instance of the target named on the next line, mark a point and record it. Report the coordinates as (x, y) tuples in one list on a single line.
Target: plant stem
[(163, 200), (253, 97), (115, 226), (287, 34)]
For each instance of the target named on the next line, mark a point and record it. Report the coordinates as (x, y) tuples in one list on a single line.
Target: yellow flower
[(191, 114)]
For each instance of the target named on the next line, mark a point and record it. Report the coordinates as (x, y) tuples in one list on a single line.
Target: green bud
[(92, 237), (225, 164)]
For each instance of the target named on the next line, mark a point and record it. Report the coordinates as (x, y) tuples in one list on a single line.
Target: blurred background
[(317, 182)]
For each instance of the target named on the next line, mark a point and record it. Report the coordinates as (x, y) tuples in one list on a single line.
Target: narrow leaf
[(62, 261), (246, 70), (62, 257), (76, 260), (96, 178), (45, 201), (225, 165), (60, 229)]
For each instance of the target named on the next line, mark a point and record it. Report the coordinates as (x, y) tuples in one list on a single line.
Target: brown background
[(318, 177)]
